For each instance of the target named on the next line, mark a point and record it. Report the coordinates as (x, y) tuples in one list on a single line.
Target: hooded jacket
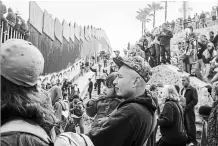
[(56, 99), (101, 108), (130, 125), (171, 123)]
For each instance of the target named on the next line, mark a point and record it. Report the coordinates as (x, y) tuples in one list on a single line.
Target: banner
[(66, 29), (76, 30), (58, 30), (72, 32), (36, 16), (48, 25)]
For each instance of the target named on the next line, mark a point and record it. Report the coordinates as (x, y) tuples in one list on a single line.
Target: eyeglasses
[(209, 46)]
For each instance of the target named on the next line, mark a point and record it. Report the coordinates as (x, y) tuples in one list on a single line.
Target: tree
[(166, 5), (143, 17), (154, 7), (185, 9)]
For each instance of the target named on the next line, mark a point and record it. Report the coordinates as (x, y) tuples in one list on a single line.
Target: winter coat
[(171, 123), (101, 108), (130, 125), (56, 98), (25, 139), (191, 97), (165, 39)]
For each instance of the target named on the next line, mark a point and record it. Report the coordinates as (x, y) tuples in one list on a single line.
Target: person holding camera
[(208, 55)]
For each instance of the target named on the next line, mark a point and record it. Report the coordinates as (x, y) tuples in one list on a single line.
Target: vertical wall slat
[(1, 34)]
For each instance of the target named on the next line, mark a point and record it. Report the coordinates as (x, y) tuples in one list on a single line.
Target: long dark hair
[(27, 103)]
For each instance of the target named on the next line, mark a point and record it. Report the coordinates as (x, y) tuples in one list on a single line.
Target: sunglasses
[(209, 46)]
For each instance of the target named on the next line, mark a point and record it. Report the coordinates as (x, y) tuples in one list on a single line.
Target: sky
[(117, 18)]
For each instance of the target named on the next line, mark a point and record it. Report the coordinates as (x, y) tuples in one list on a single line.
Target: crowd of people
[(200, 52), (127, 112), (196, 54), (198, 21), (154, 46), (13, 19)]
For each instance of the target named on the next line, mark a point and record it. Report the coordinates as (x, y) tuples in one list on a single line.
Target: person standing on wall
[(213, 14), (203, 20), (165, 37), (197, 20)]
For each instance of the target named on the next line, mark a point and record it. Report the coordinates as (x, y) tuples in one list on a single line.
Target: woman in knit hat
[(24, 108)]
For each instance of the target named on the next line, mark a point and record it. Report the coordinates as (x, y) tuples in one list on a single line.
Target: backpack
[(64, 139), (182, 128)]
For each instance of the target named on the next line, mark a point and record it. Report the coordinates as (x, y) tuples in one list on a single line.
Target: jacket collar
[(189, 87), (145, 100)]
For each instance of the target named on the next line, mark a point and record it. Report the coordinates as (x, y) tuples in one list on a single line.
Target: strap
[(154, 123), (25, 127), (65, 135), (87, 140), (180, 112)]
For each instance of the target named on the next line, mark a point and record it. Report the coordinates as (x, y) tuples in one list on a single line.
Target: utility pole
[(165, 11), (142, 28), (184, 9)]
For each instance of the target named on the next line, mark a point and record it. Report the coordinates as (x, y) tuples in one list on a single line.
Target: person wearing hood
[(56, 99), (24, 108), (134, 120)]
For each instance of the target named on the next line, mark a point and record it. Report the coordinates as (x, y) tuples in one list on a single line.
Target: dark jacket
[(215, 41), (191, 97), (101, 108), (130, 125), (90, 86), (25, 139), (171, 123), (56, 98), (165, 39), (202, 16), (202, 47)]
